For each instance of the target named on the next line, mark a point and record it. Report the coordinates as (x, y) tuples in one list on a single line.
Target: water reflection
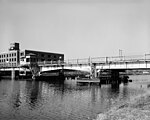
[(33, 91), (15, 96), (58, 101)]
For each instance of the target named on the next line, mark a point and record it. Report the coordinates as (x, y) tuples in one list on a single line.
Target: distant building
[(15, 57)]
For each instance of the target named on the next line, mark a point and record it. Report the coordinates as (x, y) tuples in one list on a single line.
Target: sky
[(77, 28)]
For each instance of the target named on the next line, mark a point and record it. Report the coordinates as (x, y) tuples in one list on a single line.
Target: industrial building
[(15, 57)]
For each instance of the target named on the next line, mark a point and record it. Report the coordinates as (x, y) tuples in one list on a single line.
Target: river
[(39, 100)]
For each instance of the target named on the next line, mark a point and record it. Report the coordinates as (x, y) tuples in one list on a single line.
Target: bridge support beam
[(114, 74), (115, 77), (109, 76), (93, 71)]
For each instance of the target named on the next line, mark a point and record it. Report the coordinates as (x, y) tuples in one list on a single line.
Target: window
[(7, 55), (14, 59), (27, 59), (22, 53), (42, 55), (10, 55), (42, 60), (21, 59), (32, 60), (14, 54), (49, 56), (0, 56)]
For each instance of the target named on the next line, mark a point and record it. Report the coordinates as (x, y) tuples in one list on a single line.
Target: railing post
[(106, 60), (89, 61), (124, 58), (145, 57)]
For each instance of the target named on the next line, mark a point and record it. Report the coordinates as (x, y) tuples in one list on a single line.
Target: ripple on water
[(42, 100)]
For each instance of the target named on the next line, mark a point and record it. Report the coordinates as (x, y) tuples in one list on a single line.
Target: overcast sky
[(77, 28)]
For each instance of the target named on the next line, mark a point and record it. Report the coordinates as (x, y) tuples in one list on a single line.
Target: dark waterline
[(24, 100)]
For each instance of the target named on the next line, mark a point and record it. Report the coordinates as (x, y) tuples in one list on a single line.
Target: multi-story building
[(27, 56), (11, 58), (15, 57)]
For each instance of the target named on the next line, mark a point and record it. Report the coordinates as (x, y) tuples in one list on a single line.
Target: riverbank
[(138, 108)]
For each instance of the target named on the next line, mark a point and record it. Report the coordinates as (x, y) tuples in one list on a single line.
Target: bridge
[(95, 64), (86, 64)]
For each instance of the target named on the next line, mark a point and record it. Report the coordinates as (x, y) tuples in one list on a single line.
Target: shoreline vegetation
[(137, 108)]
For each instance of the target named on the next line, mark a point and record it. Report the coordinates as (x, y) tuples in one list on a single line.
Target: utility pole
[(120, 54)]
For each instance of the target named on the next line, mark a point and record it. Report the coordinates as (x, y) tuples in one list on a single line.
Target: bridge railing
[(131, 58), (134, 58), (147, 57), (114, 59), (100, 60), (77, 61), (137, 58), (50, 63), (71, 61)]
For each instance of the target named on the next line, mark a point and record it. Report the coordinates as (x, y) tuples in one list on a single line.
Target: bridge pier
[(114, 74), (115, 77), (109, 77)]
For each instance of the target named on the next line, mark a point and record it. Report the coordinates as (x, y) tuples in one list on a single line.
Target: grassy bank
[(137, 108)]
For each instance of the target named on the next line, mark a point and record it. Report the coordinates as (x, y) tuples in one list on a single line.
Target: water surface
[(39, 100)]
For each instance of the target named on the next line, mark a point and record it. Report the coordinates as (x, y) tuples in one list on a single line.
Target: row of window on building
[(49, 56), (8, 60), (7, 55), (42, 55), (36, 59), (10, 64), (22, 54)]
